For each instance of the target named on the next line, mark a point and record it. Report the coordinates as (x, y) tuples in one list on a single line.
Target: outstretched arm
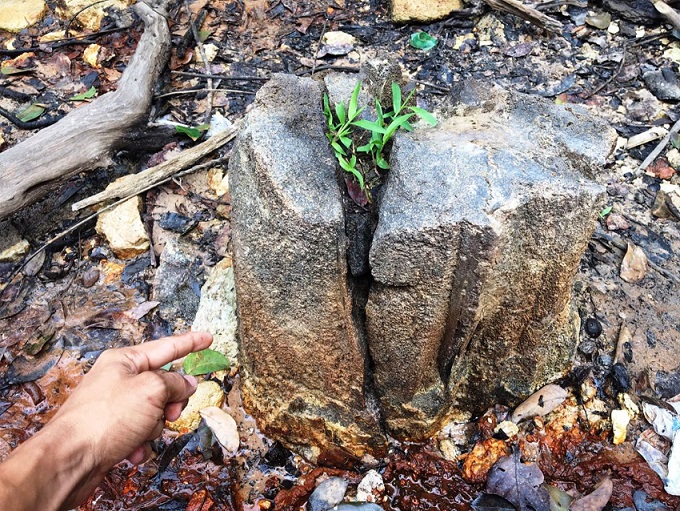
[(119, 406)]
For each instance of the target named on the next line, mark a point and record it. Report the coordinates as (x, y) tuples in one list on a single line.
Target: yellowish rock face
[(423, 10), (16, 15), (208, 393), (91, 15), (124, 230)]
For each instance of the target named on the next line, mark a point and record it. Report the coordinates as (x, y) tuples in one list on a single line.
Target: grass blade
[(396, 97), (424, 115)]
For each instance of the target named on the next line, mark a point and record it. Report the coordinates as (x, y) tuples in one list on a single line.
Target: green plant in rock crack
[(346, 131)]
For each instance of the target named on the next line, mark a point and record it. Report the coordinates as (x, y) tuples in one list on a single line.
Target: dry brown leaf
[(223, 427), (596, 500), (541, 402), (634, 265)]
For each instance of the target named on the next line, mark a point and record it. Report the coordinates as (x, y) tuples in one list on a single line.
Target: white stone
[(217, 310), (620, 420), (372, 482)]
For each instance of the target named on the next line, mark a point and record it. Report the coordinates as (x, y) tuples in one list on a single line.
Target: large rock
[(404, 11), (302, 351), (482, 226)]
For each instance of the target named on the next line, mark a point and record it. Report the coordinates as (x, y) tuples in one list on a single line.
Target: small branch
[(527, 13), (660, 147), (194, 91), (221, 77), (152, 176), (671, 15), (612, 77), (206, 63)]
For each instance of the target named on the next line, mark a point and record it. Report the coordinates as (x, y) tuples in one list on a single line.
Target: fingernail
[(192, 381)]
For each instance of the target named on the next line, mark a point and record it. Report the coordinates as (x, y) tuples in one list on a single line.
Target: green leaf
[(423, 41), (204, 34), (605, 211), (354, 102), (193, 132), (559, 500), (407, 126), (11, 70), (338, 148), (369, 125), (395, 125), (167, 366), (675, 140), (31, 112), (346, 141), (206, 361), (327, 107), (396, 97), (340, 111), (381, 162), (88, 94), (365, 148), (424, 115)]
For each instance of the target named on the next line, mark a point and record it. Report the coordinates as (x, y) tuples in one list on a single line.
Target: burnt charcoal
[(620, 378)]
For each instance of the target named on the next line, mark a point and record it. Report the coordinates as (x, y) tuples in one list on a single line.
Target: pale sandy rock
[(12, 246), (16, 15), (620, 420), (124, 230), (92, 13), (208, 393), (423, 10), (217, 310)]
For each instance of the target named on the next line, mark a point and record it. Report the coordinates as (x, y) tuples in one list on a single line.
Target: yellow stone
[(124, 230), (423, 10), (620, 420), (92, 13), (90, 55), (15, 15), (208, 393)]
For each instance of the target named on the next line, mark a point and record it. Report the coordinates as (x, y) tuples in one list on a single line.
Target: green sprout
[(376, 134)]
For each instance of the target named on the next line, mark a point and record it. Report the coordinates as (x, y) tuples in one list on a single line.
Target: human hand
[(118, 407)]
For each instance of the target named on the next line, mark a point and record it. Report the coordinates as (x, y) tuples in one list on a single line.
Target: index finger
[(155, 354)]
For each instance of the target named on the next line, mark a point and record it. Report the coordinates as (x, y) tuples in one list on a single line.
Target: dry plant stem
[(86, 137), (526, 13), (85, 220), (221, 77), (671, 15), (612, 77), (660, 147), (206, 63), (194, 91), (136, 183)]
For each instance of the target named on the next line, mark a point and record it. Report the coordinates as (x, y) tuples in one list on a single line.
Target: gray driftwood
[(526, 13), (86, 137)]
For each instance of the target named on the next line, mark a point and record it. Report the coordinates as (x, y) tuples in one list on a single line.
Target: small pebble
[(587, 347), (328, 494), (90, 277), (593, 328)]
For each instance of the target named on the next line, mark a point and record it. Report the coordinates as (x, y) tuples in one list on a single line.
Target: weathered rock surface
[(466, 301), (16, 15), (217, 310), (124, 230), (404, 11), (302, 351), (178, 281), (482, 226), (12, 246)]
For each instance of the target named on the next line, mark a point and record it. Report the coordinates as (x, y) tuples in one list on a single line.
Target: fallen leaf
[(559, 500), (518, 50), (88, 94), (355, 192), (141, 310), (423, 41), (596, 500), (541, 402), (661, 169), (223, 427), (31, 112), (520, 483), (634, 265)]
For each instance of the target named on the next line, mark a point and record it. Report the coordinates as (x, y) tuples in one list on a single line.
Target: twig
[(194, 91), (31, 125), (435, 87), (660, 147), (148, 177), (671, 15), (206, 63), (221, 77), (67, 41), (94, 215), (318, 47), (527, 13), (349, 69), (189, 34), (612, 77)]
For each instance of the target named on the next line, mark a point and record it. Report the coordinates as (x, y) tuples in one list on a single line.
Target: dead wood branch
[(136, 183), (527, 13), (86, 137), (660, 147), (671, 15)]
